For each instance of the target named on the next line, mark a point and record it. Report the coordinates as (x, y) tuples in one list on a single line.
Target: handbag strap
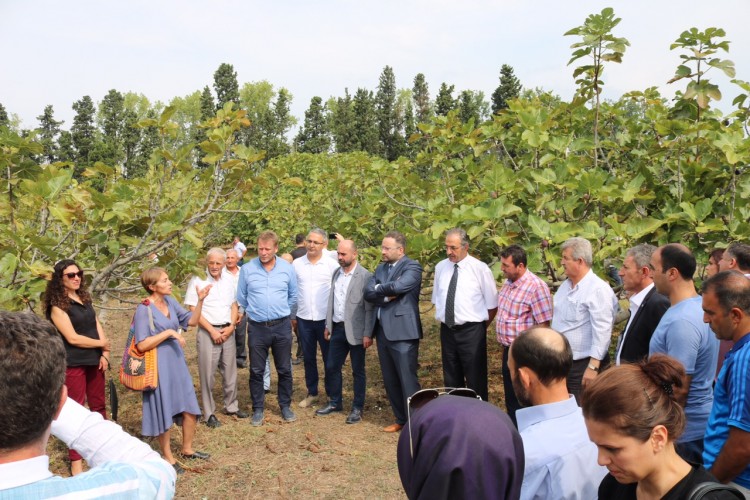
[(701, 490)]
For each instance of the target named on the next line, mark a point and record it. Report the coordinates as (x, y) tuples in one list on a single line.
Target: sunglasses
[(70, 276), (424, 396)]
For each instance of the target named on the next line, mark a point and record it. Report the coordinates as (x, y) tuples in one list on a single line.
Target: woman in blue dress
[(173, 401)]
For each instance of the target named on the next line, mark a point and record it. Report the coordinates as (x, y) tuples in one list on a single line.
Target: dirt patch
[(318, 457)]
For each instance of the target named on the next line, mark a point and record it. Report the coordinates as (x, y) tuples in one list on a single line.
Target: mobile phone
[(331, 236)]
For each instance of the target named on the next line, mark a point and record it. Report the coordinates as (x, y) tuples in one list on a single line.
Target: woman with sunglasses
[(68, 305), (633, 418), (457, 446)]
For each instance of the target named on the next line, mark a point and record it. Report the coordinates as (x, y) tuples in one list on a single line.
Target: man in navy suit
[(647, 306), (394, 289)]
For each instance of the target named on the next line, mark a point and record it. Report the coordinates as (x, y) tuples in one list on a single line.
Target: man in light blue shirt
[(682, 334), (561, 461), (33, 394), (267, 291)]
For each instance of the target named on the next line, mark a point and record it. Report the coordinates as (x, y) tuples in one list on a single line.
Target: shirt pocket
[(573, 311)]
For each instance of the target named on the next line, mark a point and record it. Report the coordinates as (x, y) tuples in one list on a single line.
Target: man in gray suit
[(349, 319), (394, 289)]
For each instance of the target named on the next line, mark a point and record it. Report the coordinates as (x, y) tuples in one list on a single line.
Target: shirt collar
[(344, 273), (532, 415), (637, 299), (23, 472)]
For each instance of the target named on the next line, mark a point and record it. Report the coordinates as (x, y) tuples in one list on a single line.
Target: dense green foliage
[(641, 169)]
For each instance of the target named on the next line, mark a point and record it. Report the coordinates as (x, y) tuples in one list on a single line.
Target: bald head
[(545, 352)]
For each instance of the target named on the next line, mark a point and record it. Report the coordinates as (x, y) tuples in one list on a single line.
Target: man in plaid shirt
[(523, 301)]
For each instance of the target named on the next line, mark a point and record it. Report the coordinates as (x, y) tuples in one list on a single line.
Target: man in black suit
[(647, 306), (394, 289)]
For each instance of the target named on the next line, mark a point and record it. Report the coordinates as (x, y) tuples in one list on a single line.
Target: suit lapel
[(638, 314)]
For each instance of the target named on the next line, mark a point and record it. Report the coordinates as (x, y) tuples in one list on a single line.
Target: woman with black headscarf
[(458, 447)]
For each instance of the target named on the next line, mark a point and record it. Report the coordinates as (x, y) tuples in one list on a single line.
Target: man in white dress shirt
[(585, 308), (561, 461), (465, 298), (216, 346), (314, 272)]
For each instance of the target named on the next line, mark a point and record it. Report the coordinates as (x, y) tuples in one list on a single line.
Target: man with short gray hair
[(465, 298), (585, 308), (736, 258), (216, 347), (647, 306)]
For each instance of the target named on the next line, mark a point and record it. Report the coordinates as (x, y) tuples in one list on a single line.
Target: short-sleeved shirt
[(731, 406), (522, 304), (682, 334), (217, 306), (476, 291)]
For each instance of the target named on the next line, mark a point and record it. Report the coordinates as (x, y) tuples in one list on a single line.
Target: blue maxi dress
[(175, 392)]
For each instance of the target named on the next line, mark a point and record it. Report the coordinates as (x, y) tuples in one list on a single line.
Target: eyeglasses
[(311, 242), (424, 396), (70, 276)]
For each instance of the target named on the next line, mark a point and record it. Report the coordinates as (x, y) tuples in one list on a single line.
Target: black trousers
[(277, 338), (512, 405), (575, 376), (464, 352), (398, 363)]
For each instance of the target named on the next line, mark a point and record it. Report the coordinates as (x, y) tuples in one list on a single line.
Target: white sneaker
[(308, 401)]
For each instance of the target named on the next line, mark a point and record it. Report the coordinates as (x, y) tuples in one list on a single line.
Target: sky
[(56, 52)]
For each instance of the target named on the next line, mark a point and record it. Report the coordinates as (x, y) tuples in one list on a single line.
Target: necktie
[(450, 300)]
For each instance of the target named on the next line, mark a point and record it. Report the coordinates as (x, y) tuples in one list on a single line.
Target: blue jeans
[(311, 334), (338, 349), (279, 339)]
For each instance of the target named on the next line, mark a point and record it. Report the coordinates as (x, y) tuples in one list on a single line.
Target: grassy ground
[(319, 457)]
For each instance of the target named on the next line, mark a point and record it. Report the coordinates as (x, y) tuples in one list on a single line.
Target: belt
[(223, 325), (338, 323), (272, 322), (463, 325)]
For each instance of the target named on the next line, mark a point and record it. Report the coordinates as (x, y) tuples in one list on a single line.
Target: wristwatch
[(592, 367)]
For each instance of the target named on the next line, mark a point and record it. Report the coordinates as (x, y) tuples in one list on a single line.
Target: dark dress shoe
[(328, 409), (197, 454), (213, 422), (296, 361), (354, 417), (241, 364), (178, 469), (239, 414)]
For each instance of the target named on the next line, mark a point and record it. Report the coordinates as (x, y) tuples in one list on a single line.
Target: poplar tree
[(83, 133), (365, 122), (444, 102), (226, 86), (387, 115), (421, 96), (49, 129), (314, 136), (509, 88)]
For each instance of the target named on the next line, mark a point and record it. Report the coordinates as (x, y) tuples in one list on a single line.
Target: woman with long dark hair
[(67, 304)]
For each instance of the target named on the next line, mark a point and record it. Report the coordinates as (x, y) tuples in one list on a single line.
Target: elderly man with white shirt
[(465, 298), (585, 308), (216, 346)]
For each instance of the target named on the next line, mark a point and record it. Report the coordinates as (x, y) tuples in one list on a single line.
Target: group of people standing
[(555, 352), (664, 420)]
